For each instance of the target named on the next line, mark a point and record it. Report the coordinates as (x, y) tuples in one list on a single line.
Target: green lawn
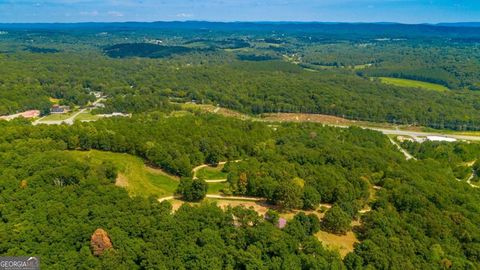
[(476, 180), (88, 116), (58, 117), (212, 173), (142, 180), (413, 84), (364, 66), (216, 188), (180, 113), (238, 50)]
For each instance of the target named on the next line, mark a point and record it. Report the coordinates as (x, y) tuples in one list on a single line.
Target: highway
[(424, 134)]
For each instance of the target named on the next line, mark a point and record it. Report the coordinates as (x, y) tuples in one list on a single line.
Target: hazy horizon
[(260, 22), (337, 11)]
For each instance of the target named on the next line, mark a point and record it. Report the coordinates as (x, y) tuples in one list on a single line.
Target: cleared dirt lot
[(301, 117)]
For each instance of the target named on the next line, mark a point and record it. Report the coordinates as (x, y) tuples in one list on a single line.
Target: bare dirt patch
[(261, 207), (302, 117), (342, 243), (214, 109), (121, 181)]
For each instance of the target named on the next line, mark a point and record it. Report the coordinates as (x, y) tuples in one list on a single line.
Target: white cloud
[(115, 14), (184, 15), (89, 13)]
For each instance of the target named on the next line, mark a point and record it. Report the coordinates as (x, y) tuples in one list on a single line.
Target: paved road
[(68, 121), (424, 134), (414, 134), (393, 131)]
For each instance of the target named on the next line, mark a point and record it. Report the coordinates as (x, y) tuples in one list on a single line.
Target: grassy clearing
[(54, 100), (218, 110), (216, 188), (364, 66), (413, 84), (58, 117), (138, 178), (179, 113), (87, 116), (212, 173), (342, 243), (134, 175), (238, 50)]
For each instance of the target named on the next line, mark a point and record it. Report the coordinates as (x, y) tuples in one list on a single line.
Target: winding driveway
[(199, 167), (218, 196)]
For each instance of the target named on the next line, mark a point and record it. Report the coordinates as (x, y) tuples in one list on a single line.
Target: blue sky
[(406, 11)]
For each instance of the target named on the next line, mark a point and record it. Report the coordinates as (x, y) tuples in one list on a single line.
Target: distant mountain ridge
[(210, 24), (460, 24), (367, 30)]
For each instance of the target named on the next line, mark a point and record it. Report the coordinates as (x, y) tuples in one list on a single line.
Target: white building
[(440, 139)]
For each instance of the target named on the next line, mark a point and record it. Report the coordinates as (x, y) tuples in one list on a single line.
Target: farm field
[(413, 84)]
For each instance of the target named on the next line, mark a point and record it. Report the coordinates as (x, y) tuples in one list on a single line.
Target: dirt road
[(199, 167), (218, 196), (407, 155)]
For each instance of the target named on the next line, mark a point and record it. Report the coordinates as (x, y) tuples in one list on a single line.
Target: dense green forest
[(422, 213), (421, 218), (461, 157), (308, 69), (54, 210)]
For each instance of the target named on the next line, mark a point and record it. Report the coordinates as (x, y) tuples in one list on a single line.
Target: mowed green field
[(87, 116), (413, 84), (134, 175), (212, 173), (138, 178), (58, 117)]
